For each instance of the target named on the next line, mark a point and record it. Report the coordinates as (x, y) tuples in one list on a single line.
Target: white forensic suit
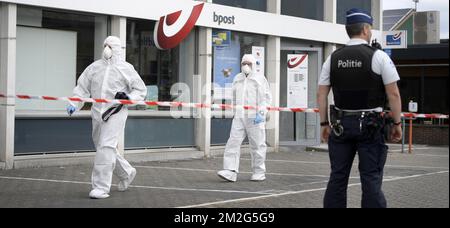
[(252, 89), (103, 79)]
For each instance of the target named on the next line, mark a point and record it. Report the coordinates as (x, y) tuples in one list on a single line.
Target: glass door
[(300, 70)]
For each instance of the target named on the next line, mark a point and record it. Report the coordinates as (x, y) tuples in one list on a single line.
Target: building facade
[(421, 27), (46, 45)]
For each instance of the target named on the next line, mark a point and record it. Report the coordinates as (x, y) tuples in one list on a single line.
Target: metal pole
[(416, 2), (410, 135), (403, 134)]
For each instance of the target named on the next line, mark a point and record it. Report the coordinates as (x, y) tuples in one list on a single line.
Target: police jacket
[(355, 85)]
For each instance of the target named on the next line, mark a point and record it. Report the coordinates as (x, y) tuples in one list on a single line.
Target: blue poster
[(226, 63)]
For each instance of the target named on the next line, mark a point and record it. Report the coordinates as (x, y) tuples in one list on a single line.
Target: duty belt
[(337, 115)]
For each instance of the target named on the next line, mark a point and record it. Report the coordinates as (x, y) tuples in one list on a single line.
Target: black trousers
[(372, 153)]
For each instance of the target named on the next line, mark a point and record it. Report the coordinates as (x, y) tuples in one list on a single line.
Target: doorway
[(300, 129)]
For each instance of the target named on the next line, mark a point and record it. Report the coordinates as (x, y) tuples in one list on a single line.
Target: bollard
[(403, 134), (410, 135)]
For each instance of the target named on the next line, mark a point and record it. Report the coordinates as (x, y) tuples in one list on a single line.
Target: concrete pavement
[(295, 178)]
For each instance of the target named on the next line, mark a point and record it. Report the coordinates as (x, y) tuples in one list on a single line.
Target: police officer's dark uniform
[(356, 122)]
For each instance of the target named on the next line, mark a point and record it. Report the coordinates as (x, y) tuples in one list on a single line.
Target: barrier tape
[(160, 103), (424, 116), (196, 105)]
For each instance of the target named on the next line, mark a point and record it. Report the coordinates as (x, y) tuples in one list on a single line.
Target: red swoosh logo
[(293, 64), (397, 36), (162, 41)]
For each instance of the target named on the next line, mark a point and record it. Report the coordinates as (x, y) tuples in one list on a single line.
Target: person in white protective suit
[(109, 78), (249, 88)]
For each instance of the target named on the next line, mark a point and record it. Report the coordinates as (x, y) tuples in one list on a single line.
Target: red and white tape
[(195, 105), (425, 116), (159, 103)]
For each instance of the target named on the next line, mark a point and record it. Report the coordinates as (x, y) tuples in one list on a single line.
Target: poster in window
[(258, 53), (297, 73), (221, 38), (226, 66)]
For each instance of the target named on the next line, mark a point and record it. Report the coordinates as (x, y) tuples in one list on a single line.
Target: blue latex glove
[(71, 109), (259, 118)]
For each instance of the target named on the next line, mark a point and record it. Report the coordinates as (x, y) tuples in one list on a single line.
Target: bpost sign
[(395, 39), (297, 73), (230, 18), (173, 28)]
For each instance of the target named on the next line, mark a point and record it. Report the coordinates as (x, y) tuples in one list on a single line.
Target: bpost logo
[(395, 39), (174, 28), (295, 62), (223, 19)]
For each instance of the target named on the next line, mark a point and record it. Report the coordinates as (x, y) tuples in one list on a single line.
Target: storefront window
[(260, 5), (228, 49), (53, 49), (160, 69), (310, 9), (344, 5), (168, 75)]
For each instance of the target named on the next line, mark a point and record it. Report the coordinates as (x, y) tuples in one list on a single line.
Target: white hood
[(116, 47)]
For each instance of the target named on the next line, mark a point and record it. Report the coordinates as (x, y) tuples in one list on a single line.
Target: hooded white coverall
[(103, 79), (251, 90)]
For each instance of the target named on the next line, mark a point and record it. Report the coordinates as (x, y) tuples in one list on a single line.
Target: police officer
[(362, 78)]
